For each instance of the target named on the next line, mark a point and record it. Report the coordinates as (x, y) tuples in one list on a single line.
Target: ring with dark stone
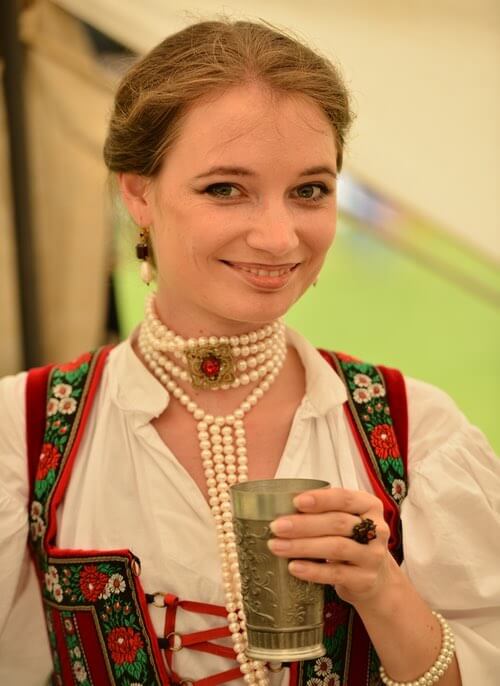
[(365, 531)]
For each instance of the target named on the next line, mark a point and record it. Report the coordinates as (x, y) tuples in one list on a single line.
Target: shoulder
[(12, 411), (447, 454), (13, 465)]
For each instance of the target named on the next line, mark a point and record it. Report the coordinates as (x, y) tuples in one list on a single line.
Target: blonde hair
[(199, 60)]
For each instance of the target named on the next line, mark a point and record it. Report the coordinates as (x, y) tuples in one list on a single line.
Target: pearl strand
[(222, 442), (168, 341), (437, 670), (250, 352), (252, 369)]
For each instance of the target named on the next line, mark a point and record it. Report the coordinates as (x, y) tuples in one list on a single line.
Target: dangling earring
[(142, 252)]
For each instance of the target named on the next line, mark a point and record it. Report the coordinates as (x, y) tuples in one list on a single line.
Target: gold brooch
[(211, 366)]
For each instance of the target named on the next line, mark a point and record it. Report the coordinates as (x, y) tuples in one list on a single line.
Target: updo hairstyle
[(199, 60)]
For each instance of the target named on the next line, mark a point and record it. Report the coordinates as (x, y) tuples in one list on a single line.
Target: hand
[(322, 531)]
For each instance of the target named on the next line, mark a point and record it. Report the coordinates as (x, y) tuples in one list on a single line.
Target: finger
[(356, 579), (335, 548), (308, 525), (339, 500)]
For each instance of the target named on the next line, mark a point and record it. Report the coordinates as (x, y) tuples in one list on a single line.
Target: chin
[(261, 313)]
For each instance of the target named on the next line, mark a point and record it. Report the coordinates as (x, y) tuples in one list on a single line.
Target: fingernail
[(281, 526), (277, 545), (297, 567), (304, 501)]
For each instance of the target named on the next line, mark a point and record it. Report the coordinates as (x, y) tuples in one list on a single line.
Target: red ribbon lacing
[(198, 640)]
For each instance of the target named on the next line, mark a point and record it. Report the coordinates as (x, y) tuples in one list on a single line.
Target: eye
[(223, 190), (313, 191)]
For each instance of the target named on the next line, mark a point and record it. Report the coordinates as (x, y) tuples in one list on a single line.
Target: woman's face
[(242, 212)]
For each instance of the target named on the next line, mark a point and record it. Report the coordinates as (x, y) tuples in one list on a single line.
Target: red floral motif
[(124, 643), (92, 582), (384, 441), (49, 459)]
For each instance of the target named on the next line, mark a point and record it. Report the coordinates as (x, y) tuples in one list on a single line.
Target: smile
[(261, 271), (268, 277)]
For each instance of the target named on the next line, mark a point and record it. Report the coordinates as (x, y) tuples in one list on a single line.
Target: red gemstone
[(210, 367)]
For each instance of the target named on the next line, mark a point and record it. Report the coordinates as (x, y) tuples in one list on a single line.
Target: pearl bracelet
[(443, 661)]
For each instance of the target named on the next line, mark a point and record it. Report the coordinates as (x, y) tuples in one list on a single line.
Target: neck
[(195, 324)]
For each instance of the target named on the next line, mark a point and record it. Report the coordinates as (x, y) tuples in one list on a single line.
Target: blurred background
[(412, 280)]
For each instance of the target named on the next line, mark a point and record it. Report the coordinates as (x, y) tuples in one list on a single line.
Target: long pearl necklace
[(222, 441)]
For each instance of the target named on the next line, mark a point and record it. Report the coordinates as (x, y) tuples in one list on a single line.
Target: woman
[(226, 141)]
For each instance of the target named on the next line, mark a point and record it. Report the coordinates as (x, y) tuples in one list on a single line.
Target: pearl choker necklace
[(212, 362), (222, 441)]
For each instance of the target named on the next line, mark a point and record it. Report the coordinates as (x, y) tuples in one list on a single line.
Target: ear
[(136, 196)]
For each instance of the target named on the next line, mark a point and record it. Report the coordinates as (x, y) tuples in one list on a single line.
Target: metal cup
[(284, 615)]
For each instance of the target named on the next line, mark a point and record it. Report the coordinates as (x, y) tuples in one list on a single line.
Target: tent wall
[(67, 102), (10, 346)]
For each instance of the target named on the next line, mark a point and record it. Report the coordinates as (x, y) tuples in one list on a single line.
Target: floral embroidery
[(76, 654), (52, 407), (79, 671), (366, 386), (66, 386), (398, 489), (108, 587), (362, 380), (331, 680), (377, 391), (49, 459), (115, 584), (323, 666), (384, 441), (92, 582), (36, 509), (37, 528), (314, 681), (124, 643), (67, 405), (362, 395), (62, 390), (105, 582)]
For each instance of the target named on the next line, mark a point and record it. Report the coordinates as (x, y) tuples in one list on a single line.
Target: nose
[(274, 231)]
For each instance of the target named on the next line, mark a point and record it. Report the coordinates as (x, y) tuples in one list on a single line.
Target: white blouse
[(128, 490)]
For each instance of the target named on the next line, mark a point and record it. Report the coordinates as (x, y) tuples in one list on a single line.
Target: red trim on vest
[(92, 647), (62, 650), (36, 407), (294, 673), (66, 473)]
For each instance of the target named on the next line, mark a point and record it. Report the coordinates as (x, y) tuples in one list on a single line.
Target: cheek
[(323, 236)]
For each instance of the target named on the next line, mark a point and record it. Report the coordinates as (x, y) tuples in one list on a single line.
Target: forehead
[(252, 124)]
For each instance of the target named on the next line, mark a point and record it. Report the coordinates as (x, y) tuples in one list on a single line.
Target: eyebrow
[(242, 171)]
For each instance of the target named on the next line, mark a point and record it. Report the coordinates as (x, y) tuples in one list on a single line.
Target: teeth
[(265, 272)]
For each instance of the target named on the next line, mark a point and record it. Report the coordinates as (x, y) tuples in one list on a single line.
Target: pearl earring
[(143, 254)]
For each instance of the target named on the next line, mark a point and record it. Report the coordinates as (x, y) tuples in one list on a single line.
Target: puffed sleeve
[(451, 528), (24, 653)]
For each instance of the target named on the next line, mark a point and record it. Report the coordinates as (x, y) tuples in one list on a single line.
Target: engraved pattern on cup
[(284, 615)]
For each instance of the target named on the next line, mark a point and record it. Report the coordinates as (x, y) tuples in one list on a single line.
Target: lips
[(268, 277)]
